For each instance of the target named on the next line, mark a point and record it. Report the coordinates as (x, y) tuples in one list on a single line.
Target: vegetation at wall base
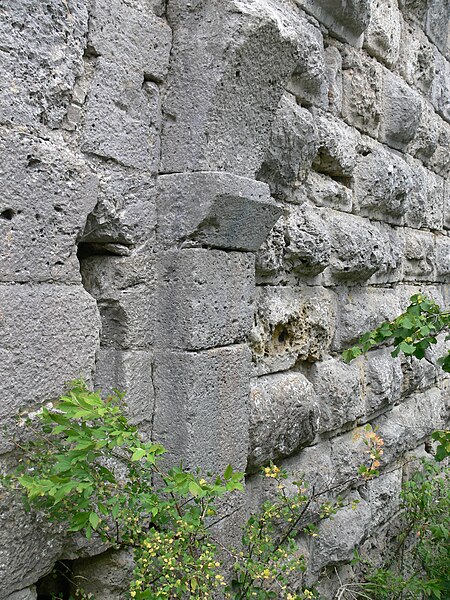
[(88, 468)]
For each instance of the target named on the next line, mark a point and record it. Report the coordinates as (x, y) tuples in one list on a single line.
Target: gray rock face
[(281, 405), (43, 46), (204, 202)]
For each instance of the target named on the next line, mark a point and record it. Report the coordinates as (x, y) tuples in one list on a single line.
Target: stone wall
[(203, 203)]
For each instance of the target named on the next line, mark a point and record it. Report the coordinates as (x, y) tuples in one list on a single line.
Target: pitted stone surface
[(242, 188)]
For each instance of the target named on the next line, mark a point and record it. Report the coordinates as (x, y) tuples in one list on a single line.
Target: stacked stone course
[(203, 203)]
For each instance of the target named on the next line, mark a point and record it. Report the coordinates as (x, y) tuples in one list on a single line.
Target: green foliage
[(88, 468), (412, 333), (420, 567)]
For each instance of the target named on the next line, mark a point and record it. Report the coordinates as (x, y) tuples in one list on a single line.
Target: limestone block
[(417, 59), (391, 241), (269, 258), (361, 92), (124, 290), (346, 20), (339, 391), (131, 372), (27, 594), (131, 37), (442, 257), (383, 376), (356, 247), (38, 237), (28, 549), (43, 47), (214, 209), (313, 465), (333, 62), (417, 375), (419, 255), (292, 148), (426, 202), (322, 190), (201, 413), (440, 89), (308, 82), (440, 161), (401, 112), (408, 424), (50, 335), (360, 310), (414, 10), (437, 23), (205, 298), (383, 182), (307, 242), (283, 417), (426, 140), (106, 576), (291, 324), (383, 497), (382, 36), (121, 118), (125, 213), (447, 204), (337, 147), (331, 547), (242, 47)]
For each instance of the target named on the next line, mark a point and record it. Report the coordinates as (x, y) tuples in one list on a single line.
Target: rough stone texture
[(214, 209), (292, 148), (205, 298), (291, 324), (105, 576), (222, 175), (282, 405), (201, 413), (37, 239)]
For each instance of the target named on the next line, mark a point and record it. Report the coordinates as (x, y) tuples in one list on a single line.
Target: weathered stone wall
[(248, 185)]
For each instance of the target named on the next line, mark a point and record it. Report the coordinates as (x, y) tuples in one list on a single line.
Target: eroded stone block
[(382, 36), (346, 20), (362, 92), (417, 60), (419, 255), (357, 251), (307, 241), (442, 257), (438, 22), (283, 417), (205, 298), (105, 576), (383, 375), (214, 209), (322, 190), (337, 147), (339, 391), (47, 194), (333, 61), (440, 90), (291, 324), (43, 45), (383, 182), (201, 413), (120, 116), (401, 112), (130, 36), (427, 199), (363, 309), (39, 355), (291, 150)]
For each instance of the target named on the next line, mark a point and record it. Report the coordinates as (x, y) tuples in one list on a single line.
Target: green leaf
[(228, 472), (94, 520), (138, 454)]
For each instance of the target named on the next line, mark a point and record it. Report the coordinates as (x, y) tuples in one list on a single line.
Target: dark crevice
[(7, 214)]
